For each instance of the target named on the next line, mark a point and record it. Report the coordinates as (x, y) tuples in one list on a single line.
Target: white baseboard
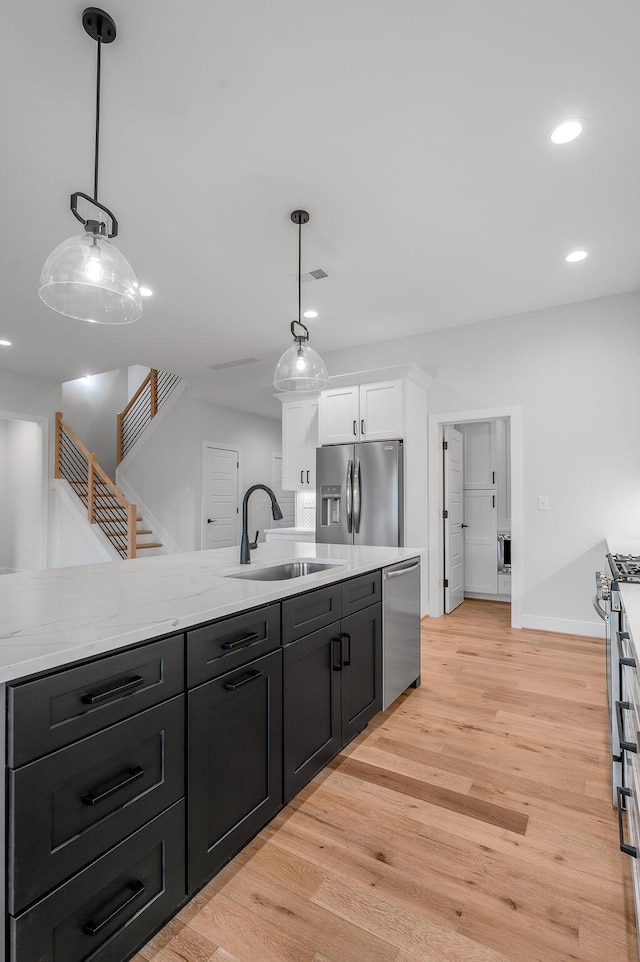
[(482, 597), (564, 626)]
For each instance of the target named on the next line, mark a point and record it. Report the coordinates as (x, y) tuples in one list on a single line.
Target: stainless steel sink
[(283, 572)]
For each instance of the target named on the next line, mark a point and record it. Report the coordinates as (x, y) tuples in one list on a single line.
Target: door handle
[(402, 571), (362, 431), (601, 612), (627, 849), (308, 482), (115, 691), (105, 791), (211, 520), (350, 495), (493, 477), (113, 908), (302, 477), (334, 642), (355, 429), (493, 501), (357, 496), (345, 637), (463, 525)]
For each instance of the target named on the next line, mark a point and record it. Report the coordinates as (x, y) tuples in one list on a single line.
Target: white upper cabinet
[(381, 411), (480, 457), (365, 412), (299, 442), (339, 415)]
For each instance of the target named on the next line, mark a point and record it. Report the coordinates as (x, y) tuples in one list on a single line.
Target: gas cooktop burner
[(625, 567)]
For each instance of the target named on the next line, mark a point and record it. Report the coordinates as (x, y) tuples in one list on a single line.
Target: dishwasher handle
[(401, 571)]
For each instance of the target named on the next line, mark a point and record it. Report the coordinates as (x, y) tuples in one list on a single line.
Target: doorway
[(23, 493), (475, 514), (220, 496)]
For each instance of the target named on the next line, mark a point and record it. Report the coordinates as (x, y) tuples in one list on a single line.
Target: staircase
[(142, 408), (106, 506)]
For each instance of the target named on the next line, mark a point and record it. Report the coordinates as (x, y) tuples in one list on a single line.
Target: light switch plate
[(543, 502)]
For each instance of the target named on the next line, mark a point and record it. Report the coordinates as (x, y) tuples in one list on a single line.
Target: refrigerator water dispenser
[(331, 496)]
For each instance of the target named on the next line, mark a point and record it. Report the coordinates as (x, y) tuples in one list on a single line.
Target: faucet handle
[(254, 544)]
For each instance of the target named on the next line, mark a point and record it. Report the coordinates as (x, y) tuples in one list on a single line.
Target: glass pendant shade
[(301, 369), (88, 278)]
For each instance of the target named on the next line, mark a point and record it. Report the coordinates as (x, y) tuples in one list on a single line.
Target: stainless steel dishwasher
[(401, 629)]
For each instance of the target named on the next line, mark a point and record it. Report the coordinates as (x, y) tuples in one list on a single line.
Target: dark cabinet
[(235, 763), (310, 612), (358, 593), (332, 688), (311, 672), (223, 645)]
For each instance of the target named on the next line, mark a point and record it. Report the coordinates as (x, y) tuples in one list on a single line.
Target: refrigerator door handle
[(350, 496), (357, 500)]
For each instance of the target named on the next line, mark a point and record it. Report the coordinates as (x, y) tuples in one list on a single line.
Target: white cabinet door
[(453, 518), (481, 542), (339, 415), (294, 448), (480, 460), (299, 442), (310, 429), (381, 411)]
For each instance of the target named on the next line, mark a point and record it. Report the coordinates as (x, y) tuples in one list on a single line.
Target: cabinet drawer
[(225, 645), (68, 808), (361, 592), (108, 911), (310, 612), (54, 711)]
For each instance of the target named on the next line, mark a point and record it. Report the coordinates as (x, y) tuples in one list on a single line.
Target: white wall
[(575, 370), (165, 470), (91, 410), (136, 373), (21, 501), (72, 540)]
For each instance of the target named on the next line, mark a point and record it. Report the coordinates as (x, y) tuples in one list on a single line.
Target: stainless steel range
[(625, 567)]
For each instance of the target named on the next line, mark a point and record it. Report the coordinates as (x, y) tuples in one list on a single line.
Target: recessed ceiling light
[(576, 256), (567, 131), (310, 314), (146, 291), (5, 343)]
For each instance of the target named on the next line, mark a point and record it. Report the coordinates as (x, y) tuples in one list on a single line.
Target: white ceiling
[(413, 131)]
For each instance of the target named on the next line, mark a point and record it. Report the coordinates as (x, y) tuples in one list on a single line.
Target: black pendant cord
[(97, 142), (300, 271)]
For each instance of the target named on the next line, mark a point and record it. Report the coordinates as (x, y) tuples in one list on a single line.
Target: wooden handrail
[(96, 475), (152, 381), (135, 397)]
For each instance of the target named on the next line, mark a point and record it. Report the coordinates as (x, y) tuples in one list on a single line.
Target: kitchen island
[(159, 713)]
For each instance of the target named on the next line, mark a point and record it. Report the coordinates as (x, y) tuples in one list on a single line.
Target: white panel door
[(294, 445), (339, 415), (220, 501), (480, 459), (381, 411), (453, 532), (481, 542)]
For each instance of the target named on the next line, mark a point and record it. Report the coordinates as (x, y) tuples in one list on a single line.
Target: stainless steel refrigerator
[(359, 493)]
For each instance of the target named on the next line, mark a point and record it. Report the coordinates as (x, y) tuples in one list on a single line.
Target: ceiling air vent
[(316, 275), (240, 362)]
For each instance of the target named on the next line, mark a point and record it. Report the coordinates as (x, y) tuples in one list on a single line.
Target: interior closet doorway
[(23, 492), (475, 509)]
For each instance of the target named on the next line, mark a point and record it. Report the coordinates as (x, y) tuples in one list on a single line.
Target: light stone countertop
[(54, 617)]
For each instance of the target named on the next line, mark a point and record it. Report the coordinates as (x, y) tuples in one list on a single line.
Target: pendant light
[(86, 276), (300, 368)]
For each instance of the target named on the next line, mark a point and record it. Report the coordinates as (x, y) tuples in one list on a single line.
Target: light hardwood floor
[(471, 822)]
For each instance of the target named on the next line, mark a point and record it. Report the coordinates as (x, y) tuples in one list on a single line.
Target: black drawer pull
[(346, 662), (110, 788), (252, 676), (245, 640), (626, 746), (627, 849), (336, 641), (106, 694), (113, 908), (620, 637), (362, 426), (355, 428)]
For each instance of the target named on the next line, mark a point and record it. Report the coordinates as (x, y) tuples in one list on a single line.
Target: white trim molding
[(564, 626), (148, 516), (44, 426), (435, 504)]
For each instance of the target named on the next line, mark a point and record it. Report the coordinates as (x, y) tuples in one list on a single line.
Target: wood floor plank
[(470, 822)]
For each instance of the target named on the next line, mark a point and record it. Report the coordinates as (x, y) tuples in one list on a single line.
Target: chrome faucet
[(245, 544)]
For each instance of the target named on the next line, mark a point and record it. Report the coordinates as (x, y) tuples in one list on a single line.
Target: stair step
[(150, 544), (122, 534)]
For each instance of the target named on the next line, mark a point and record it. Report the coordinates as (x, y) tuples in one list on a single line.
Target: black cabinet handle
[(308, 482), (493, 501), (345, 637), (302, 477), (233, 685), (362, 426), (493, 477), (355, 428), (626, 746), (241, 642), (620, 637), (336, 641), (112, 691), (105, 791), (627, 849), (114, 907)]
